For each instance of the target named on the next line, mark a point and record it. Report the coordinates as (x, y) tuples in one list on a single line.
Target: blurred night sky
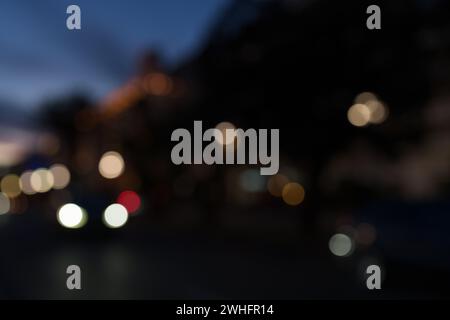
[(40, 58)]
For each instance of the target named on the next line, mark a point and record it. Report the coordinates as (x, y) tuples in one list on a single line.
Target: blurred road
[(141, 263)]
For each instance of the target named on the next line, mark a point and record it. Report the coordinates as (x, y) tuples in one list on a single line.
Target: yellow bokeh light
[(61, 176), (111, 165), (41, 180), (365, 97), (359, 115), (367, 109), (293, 193), (10, 185), (378, 111)]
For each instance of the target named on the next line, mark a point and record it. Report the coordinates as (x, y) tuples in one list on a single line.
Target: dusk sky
[(40, 58)]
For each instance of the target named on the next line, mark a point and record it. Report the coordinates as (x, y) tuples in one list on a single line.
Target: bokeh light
[(72, 216), (61, 176), (11, 153), (130, 200), (5, 204), (115, 216), (228, 133), (10, 185), (378, 111), (359, 115), (25, 183), (111, 165), (340, 245), (374, 112), (41, 180), (158, 84), (365, 97), (293, 193)]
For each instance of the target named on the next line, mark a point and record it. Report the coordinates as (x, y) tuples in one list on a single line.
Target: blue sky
[(40, 58)]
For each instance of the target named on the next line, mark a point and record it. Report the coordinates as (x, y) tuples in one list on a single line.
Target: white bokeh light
[(228, 133), (41, 180), (340, 245), (5, 204), (115, 216), (71, 216)]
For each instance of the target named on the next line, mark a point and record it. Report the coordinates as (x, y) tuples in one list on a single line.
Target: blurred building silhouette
[(262, 67), (295, 66)]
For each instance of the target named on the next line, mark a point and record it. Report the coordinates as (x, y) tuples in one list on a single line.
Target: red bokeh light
[(130, 200)]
